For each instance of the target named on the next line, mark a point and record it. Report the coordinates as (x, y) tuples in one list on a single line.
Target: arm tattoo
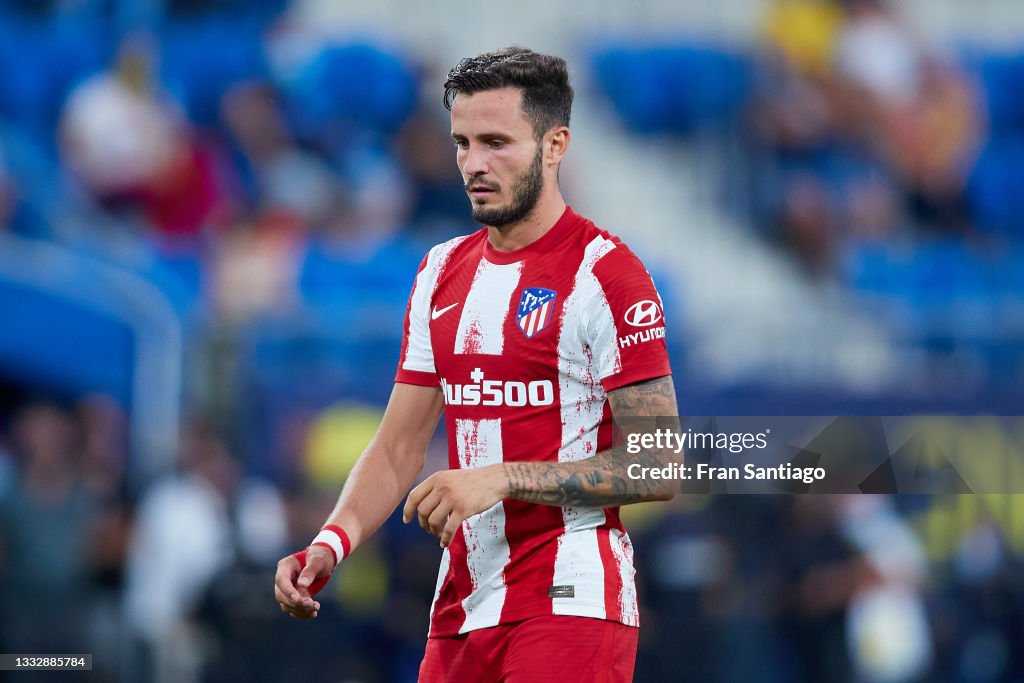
[(602, 481)]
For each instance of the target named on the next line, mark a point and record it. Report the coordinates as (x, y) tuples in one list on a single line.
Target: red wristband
[(319, 582), (334, 538)]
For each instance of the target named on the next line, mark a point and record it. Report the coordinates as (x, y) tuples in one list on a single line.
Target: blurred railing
[(156, 362)]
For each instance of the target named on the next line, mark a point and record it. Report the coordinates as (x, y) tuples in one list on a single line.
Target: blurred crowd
[(868, 131), (889, 163), (883, 161), (257, 165), (279, 188), (172, 582)]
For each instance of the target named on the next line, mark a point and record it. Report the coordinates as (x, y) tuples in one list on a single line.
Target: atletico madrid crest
[(536, 307)]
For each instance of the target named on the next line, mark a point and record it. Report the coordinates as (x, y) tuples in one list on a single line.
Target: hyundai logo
[(643, 313)]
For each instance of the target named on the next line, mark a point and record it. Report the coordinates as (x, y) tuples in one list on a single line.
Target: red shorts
[(552, 648)]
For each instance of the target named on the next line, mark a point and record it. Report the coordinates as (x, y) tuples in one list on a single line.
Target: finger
[(427, 507), (281, 598), (415, 496), (320, 562), (296, 606), (310, 606), (302, 610), (304, 616), (450, 529), (438, 518), (314, 567), (297, 614), (283, 583)]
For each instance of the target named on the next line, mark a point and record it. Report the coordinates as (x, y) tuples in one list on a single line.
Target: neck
[(545, 214)]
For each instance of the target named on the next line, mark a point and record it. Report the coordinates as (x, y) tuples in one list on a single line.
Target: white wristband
[(334, 538)]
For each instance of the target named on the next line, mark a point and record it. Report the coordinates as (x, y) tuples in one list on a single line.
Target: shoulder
[(608, 257), (455, 244), (440, 254)]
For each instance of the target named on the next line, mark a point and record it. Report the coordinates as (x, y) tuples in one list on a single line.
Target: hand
[(445, 499), (295, 583)]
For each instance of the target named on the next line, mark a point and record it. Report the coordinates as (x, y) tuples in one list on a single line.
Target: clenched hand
[(295, 584), (445, 499)]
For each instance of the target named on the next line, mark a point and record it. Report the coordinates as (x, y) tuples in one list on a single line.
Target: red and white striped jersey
[(525, 345)]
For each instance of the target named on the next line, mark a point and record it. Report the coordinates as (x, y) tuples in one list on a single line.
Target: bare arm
[(603, 480), (386, 469), (376, 485)]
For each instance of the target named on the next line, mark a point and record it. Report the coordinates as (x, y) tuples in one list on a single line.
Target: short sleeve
[(416, 362), (624, 321)]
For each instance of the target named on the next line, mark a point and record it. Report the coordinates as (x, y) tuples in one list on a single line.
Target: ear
[(556, 143)]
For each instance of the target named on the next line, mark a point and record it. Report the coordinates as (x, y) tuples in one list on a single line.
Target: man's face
[(498, 155)]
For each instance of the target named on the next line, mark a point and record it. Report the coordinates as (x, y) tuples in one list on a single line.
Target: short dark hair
[(543, 80)]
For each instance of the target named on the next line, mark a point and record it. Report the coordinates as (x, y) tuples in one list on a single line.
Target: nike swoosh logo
[(435, 314)]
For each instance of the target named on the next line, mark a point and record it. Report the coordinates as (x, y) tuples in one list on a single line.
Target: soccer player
[(530, 334)]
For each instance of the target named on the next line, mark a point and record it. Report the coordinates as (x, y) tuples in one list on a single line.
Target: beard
[(525, 193)]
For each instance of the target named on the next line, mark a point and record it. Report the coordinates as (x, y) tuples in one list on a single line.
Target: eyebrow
[(485, 136)]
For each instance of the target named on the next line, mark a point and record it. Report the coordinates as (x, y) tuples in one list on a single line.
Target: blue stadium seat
[(1002, 79), (672, 88), (932, 290), (995, 189), (79, 49), (637, 92), (202, 59), (1010, 273), (39, 65), (25, 78), (358, 84), (873, 268)]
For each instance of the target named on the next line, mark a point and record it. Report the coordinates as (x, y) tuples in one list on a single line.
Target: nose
[(474, 161)]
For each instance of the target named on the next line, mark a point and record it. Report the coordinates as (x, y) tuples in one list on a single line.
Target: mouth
[(479, 191)]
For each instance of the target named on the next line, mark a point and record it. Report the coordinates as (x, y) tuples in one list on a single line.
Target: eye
[(462, 144), (496, 144)]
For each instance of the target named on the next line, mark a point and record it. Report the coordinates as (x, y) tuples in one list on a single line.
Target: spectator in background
[(919, 113), (287, 190), (887, 630), (424, 146), (982, 613), (934, 144), (863, 128), (133, 150), (191, 530), (877, 53), (103, 429), (803, 34), (284, 184), (856, 612), (823, 183), (46, 533)]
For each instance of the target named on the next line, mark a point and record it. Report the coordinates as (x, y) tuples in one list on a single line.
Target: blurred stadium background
[(210, 216)]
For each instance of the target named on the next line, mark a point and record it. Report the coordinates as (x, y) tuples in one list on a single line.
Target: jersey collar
[(547, 242)]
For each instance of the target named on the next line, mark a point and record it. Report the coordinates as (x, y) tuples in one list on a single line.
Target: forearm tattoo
[(602, 481)]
